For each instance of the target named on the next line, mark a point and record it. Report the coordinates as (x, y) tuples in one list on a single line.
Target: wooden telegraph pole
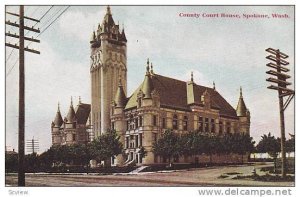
[(22, 38), (280, 70), (32, 145)]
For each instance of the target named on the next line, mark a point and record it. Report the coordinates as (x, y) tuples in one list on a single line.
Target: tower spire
[(241, 109), (147, 67), (58, 119), (192, 77), (214, 85), (241, 92), (79, 99), (108, 11), (58, 107)]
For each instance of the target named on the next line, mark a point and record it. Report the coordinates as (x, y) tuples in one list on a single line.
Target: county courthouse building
[(159, 103)]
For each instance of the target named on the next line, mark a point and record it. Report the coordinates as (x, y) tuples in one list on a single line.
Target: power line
[(51, 17), (9, 55), (30, 42), (12, 68), (54, 20)]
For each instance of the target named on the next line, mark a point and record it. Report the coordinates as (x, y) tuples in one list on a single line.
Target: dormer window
[(139, 102)]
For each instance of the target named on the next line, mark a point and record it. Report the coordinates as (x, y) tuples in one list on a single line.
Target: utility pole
[(22, 49), (32, 145), (280, 70)]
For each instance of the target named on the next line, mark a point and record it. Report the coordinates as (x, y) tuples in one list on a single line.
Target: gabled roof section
[(173, 94), (82, 112)]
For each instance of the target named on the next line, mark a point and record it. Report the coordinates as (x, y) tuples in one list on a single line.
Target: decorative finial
[(192, 76), (108, 10), (214, 85), (79, 99), (71, 101), (58, 108), (241, 92), (151, 68), (147, 65)]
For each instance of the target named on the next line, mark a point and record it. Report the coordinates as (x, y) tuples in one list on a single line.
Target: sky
[(228, 51)]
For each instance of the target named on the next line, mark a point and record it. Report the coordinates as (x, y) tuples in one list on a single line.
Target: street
[(192, 177)]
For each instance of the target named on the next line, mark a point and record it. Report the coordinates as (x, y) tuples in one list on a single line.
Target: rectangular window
[(200, 124), (113, 125), (136, 141), (154, 120), (128, 124), (127, 142), (140, 121), (228, 128), (221, 127), (185, 123), (154, 137), (141, 139), (163, 123), (212, 124), (175, 122), (136, 121), (206, 124)]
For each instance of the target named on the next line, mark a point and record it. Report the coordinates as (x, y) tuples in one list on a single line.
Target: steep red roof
[(173, 94)]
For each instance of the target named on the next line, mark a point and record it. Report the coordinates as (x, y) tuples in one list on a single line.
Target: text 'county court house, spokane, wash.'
[(159, 103)]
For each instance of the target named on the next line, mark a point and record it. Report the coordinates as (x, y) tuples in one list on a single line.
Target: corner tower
[(244, 115), (108, 62)]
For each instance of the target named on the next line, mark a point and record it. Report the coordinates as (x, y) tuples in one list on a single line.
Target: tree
[(192, 143), (212, 145), (105, 146), (168, 146), (32, 163), (290, 144), (11, 162), (269, 144), (242, 143)]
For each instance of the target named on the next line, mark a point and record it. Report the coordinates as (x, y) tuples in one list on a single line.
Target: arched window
[(175, 122)]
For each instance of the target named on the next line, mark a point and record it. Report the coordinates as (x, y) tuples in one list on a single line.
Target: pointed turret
[(147, 84), (108, 20), (93, 37), (190, 85), (123, 36), (120, 98), (58, 121), (241, 109), (71, 117)]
